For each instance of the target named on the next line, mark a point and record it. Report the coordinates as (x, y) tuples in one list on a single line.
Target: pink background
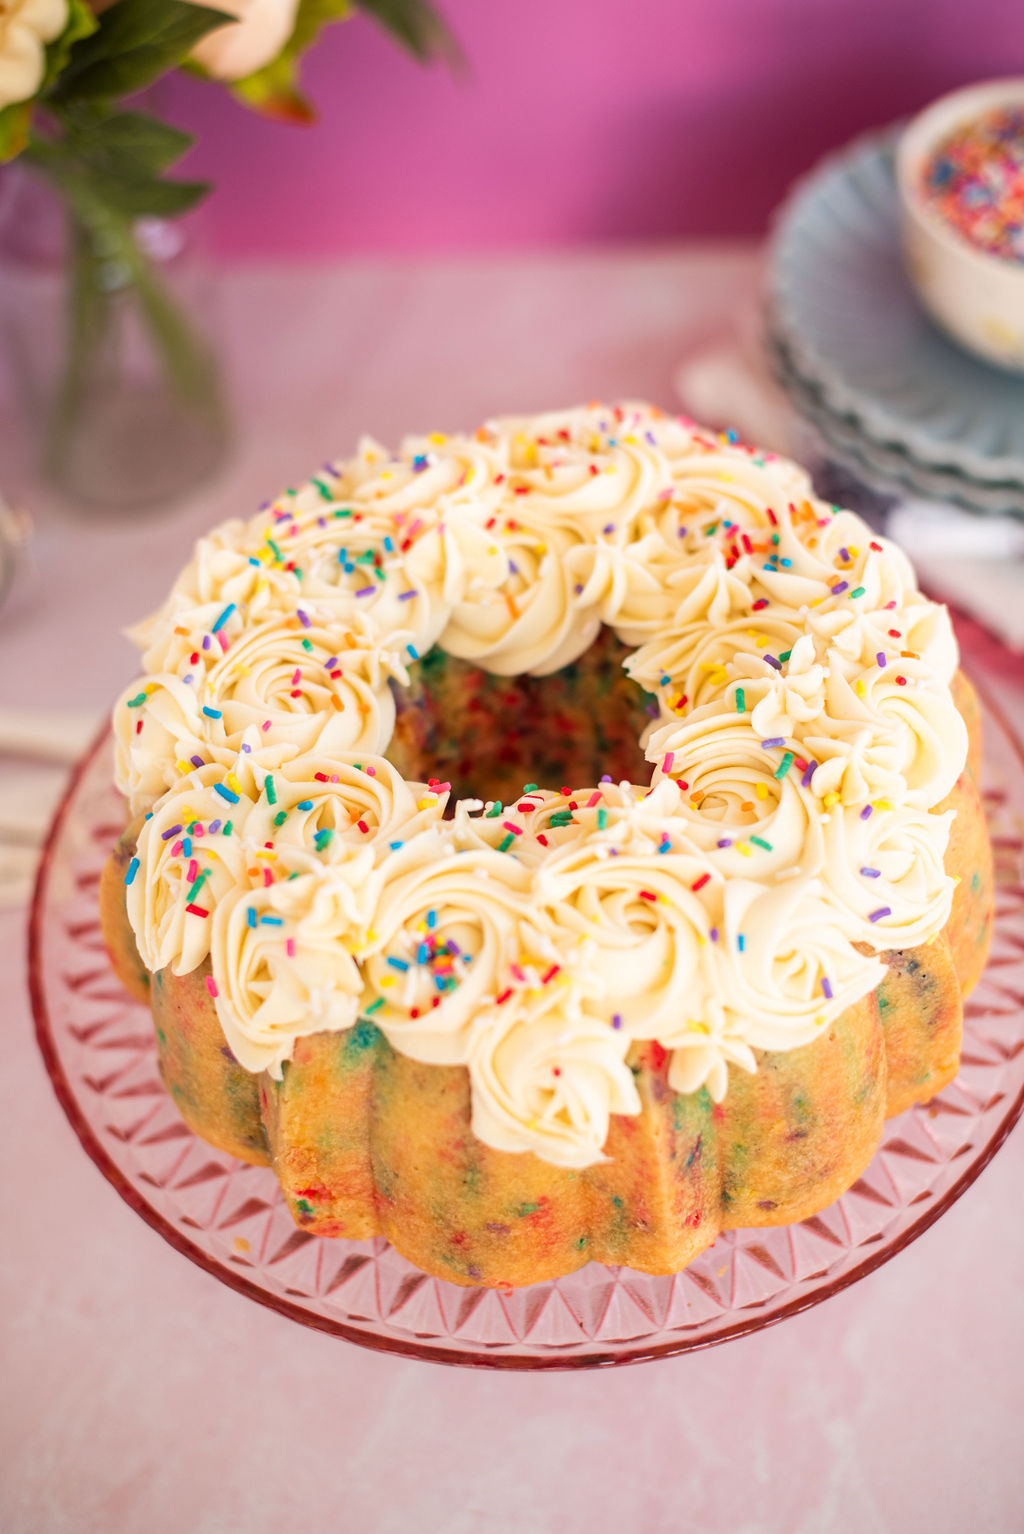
[(578, 120)]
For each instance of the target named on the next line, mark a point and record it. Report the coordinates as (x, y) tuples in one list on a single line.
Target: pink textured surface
[(231, 1219), (579, 120), (140, 1394)]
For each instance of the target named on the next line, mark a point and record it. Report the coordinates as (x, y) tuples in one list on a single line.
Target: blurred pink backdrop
[(608, 120)]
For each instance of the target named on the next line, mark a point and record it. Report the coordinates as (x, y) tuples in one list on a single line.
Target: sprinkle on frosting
[(736, 901)]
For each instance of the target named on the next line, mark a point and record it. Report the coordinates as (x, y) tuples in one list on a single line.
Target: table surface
[(143, 1395)]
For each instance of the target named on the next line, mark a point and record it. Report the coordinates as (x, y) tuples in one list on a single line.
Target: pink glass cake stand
[(99, 1049)]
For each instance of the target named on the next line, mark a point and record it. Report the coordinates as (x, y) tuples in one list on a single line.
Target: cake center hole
[(489, 735)]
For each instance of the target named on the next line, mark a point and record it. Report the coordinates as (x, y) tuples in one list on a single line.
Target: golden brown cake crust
[(966, 699), (921, 1012), (969, 860), (117, 931), (804, 1127), (365, 1141), (214, 1095), (612, 600)]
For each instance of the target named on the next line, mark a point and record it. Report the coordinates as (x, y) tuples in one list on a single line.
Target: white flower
[(255, 39), (26, 26)]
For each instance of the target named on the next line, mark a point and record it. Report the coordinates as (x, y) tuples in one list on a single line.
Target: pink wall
[(579, 120)]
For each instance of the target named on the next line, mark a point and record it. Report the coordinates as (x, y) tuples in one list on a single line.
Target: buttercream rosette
[(546, 1077), (282, 963), (519, 613), (449, 931), (286, 686), (748, 820), (641, 921), (192, 850), (693, 664), (782, 965), (804, 737), (575, 475), (323, 805), (220, 828), (885, 874), (363, 543)]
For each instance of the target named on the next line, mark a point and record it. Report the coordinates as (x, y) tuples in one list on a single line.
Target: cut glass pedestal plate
[(229, 1218)]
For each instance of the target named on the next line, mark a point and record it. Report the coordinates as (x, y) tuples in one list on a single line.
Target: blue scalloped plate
[(844, 310), (884, 468)]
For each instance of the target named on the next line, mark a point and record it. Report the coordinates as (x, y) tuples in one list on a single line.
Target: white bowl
[(976, 297)]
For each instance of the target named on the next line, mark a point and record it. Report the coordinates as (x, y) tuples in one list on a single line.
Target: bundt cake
[(511, 1024)]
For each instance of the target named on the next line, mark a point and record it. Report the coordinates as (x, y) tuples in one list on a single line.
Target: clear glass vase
[(107, 341)]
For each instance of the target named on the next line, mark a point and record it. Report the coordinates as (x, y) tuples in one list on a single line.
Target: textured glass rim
[(421, 1348)]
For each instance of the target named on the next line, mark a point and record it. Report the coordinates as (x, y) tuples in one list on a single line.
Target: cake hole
[(489, 735)]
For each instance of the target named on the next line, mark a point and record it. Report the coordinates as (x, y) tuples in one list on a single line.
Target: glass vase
[(108, 346)]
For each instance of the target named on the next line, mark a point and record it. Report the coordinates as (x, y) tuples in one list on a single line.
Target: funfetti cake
[(512, 1023)]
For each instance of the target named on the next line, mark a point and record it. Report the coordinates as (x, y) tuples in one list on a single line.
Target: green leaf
[(136, 42), (274, 89), (100, 177), (134, 142), (138, 196), (17, 116), (121, 156), (274, 92), (311, 17), (81, 23), (14, 125), (413, 23)]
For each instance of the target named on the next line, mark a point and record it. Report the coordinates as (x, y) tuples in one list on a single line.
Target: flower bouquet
[(137, 377)]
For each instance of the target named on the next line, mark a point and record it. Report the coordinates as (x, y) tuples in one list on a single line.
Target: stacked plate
[(891, 397)]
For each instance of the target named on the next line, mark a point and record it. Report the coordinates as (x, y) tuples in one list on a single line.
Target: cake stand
[(99, 1049)]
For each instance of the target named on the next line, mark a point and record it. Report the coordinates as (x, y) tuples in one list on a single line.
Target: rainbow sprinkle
[(975, 181)]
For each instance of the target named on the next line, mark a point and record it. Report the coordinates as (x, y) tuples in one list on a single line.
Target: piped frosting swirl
[(805, 735)]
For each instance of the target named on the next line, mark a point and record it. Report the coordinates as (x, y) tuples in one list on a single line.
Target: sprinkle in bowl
[(960, 169)]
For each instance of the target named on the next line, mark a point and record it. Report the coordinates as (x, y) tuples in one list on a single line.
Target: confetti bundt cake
[(514, 1024)]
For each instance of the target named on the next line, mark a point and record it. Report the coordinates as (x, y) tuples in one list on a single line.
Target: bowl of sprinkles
[(960, 167)]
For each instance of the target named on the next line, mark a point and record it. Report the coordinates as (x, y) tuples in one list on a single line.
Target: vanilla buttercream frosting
[(736, 902)]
